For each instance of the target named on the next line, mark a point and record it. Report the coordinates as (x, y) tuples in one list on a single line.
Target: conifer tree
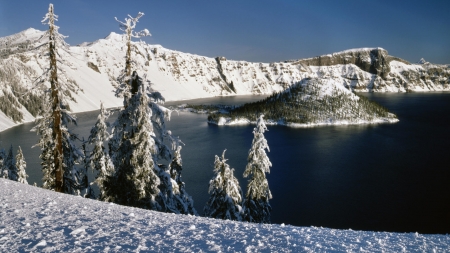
[(226, 195), (124, 89), (138, 143), (135, 179), (86, 190), (256, 207), (75, 178), (10, 166), (3, 172), (99, 159), (44, 129), (183, 202), (20, 167), (59, 152), (55, 99)]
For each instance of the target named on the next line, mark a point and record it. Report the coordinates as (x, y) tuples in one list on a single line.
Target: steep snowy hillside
[(95, 66), (38, 220)]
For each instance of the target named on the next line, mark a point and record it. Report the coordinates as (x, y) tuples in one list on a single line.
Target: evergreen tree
[(99, 159), (8, 165), (138, 141), (124, 89), (256, 207), (183, 202), (59, 152), (55, 99), (133, 148), (75, 177), (3, 172), (20, 167), (44, 129), (226, 195)]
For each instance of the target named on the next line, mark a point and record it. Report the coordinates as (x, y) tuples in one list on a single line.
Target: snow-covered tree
[(125, 78), (3, 172), (20, 167), (256, 207), (53, 38), (132, 149), (44, 129), (173, 196), (59, 152), (183, 202), (226, 195), (9, 165), (86, 191), (138, 143), (75, 178), (99, 159)]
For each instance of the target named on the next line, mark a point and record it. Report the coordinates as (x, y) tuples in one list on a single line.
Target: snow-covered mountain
[(95, 66), (38, 220)]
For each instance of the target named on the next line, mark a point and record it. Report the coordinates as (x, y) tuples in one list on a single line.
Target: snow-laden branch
[(129, 25)]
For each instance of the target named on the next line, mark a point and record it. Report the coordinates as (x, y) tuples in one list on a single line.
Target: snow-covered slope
[(34, 219), (178, 76)]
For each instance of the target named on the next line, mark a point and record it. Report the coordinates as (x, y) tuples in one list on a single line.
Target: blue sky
[(257, 30)]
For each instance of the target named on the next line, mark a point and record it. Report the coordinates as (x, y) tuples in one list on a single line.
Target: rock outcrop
[(96, 65)]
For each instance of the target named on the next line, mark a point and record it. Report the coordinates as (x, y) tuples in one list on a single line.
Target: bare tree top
[(129, 25)]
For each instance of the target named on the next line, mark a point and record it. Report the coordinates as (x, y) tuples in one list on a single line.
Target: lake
[(386, 177)]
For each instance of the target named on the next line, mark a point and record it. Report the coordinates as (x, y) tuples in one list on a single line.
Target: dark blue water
[(389, 177)]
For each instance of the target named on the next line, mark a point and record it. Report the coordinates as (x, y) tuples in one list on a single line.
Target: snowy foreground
[(34, 219)]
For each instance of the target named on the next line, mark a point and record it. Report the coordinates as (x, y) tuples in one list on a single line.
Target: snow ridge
[(34, 219)]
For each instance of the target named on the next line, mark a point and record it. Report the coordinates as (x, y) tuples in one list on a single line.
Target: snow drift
[(34, 219)]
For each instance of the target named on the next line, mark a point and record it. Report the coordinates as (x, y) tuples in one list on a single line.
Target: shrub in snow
[(256, 207), (226, 195)]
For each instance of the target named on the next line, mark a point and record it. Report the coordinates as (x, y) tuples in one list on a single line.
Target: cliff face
[(178, 76), (376, 70), (374, 61)]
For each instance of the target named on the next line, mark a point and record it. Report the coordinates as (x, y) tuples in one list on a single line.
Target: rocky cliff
[(376, 70), (95, 67)]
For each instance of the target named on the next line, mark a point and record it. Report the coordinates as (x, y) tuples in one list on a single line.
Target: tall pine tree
[(256, 207), (226, 195), (133, 148), (138, 142), (59, 152), (125, 87)]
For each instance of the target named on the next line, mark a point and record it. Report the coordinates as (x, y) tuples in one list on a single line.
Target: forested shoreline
[(307, 103)]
